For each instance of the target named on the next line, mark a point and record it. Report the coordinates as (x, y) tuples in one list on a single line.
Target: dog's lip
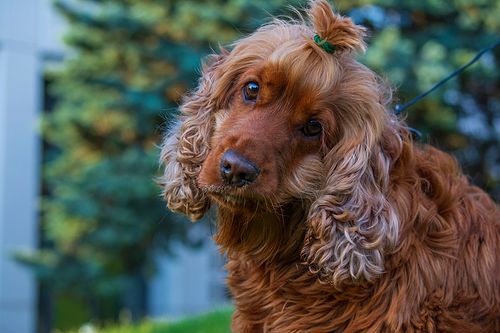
[(230, 200), (226, 196), (231, 197)]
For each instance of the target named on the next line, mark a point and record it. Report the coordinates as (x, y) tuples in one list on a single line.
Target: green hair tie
[(324, 44)]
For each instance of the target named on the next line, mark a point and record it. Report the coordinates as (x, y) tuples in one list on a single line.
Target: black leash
[(400, 108)]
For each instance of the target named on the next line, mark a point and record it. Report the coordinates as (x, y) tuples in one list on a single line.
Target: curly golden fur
[(348, 227)]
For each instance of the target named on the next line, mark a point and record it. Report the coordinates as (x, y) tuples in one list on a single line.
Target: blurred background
[(86, 88)]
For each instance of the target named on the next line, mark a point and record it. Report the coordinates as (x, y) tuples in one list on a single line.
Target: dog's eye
[(251, 91), (312, 128)]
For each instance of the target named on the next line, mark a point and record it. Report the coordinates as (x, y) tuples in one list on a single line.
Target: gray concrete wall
[(29, 32), (193, 281)]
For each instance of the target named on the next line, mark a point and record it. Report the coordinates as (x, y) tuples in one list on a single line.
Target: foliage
[(131, 60), (214, 322)]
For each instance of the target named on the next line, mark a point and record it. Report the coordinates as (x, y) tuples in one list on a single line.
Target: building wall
[(193, 281), (28, 35)]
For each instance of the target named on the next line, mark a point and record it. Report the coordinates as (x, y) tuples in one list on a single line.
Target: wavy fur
[(357, 229), (186, 147)]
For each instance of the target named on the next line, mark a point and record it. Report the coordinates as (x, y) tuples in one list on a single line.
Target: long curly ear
[(186, 146), (351, 224)]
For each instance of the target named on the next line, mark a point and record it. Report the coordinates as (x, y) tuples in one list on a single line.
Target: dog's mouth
[(230, 198)]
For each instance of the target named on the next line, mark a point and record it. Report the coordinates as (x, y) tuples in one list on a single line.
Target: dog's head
[(278, 119)]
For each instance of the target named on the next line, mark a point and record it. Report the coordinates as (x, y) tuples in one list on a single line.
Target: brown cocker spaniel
[(332, 218)]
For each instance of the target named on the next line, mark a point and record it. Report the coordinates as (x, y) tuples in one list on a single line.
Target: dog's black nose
[(237, 170)]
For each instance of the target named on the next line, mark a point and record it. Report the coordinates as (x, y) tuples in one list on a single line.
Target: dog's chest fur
[(424, 288), (283, 299)]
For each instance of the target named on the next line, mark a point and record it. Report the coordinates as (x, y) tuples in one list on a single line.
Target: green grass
[(213, 322)]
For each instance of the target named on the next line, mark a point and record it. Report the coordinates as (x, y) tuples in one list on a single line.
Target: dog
[(331, 217)]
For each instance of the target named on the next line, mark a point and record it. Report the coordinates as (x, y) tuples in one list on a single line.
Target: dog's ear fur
[(351, 224), (186, 145), (337, 30)]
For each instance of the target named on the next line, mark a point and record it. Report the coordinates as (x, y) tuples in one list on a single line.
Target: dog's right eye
[(251, 91), (312, 128)]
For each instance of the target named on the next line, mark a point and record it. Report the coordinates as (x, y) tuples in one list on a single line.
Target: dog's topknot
[(335, 29)]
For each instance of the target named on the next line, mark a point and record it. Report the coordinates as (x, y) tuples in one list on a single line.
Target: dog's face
[(278, 120), (268, 143)]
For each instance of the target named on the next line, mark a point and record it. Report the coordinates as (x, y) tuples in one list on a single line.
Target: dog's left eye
[(251, 91), (312, 128)]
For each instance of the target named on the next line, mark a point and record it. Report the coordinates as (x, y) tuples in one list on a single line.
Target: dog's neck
[(262, 236)]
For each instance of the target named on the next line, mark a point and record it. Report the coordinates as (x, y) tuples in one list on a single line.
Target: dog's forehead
[(288, 68)]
